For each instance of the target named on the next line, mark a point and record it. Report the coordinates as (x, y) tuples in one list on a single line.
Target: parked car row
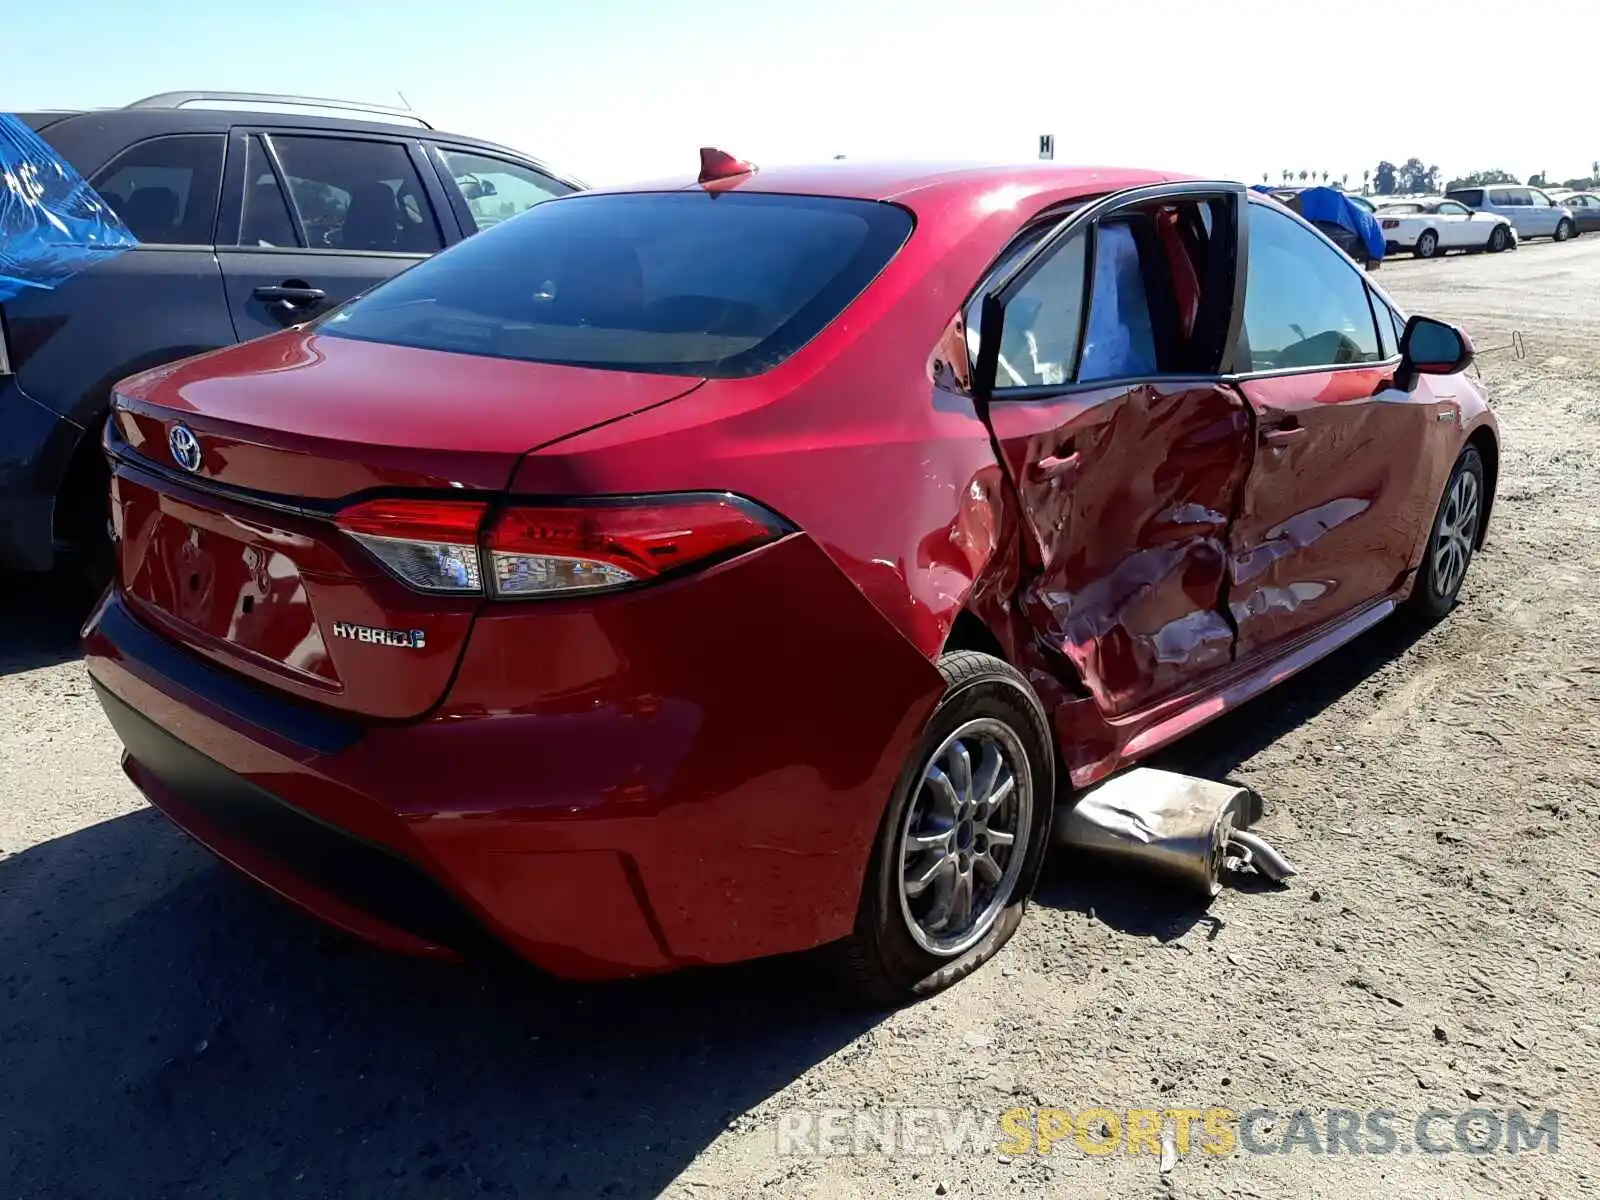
[(1484, 218)]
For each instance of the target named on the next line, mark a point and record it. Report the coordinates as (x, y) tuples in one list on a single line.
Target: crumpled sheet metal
[(1184, 827), (52, 223)]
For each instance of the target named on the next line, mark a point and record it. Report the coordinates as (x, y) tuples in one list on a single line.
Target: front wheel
[(1498, 239), (1563, 230), (1427, 244), (1452, 540), (960, 844)]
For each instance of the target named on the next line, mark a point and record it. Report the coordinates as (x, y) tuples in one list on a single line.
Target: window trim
[(217, 200), (1367, 287), (1088, 212)]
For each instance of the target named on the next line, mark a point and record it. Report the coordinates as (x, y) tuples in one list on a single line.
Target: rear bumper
[(35, 447), (690, 774)]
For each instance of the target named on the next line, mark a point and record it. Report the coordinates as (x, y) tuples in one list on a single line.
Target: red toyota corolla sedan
[(720, 568)]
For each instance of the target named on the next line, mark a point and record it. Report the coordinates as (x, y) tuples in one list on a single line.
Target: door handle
[(1283, 436), (290, 294)]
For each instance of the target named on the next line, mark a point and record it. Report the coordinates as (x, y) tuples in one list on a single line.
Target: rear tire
[(1563, 230), (1498, 239), (1452, 539), (1427, 244), (939, 840)]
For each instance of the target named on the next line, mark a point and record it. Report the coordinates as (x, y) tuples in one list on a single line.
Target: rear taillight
[(545, 550), (430, 544), (1390, 223), (536, 551)]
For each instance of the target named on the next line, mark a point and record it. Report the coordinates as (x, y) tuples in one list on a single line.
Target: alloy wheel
[(965, 836), (1458, 531)]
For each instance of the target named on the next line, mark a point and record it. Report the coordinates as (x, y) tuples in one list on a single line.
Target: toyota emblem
[(185, 447)]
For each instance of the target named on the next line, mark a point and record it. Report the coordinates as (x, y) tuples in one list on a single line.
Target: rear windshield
[(680, 283), (1470, 197)]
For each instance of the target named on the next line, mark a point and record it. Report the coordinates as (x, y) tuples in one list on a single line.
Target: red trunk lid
[(239, 558)]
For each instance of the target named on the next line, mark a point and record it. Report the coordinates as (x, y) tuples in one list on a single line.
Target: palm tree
[(1325, 177), (1288, 175), (1303, 174), (1344, 180), (1263, 177)]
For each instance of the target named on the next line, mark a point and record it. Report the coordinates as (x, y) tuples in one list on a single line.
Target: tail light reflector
[(538, 551), (1390, 223), (430, 544)]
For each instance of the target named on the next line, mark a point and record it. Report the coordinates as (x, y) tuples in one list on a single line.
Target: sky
[(613, 90)]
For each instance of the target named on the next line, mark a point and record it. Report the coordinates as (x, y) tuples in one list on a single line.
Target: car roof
[(137, 123), (917, 183)]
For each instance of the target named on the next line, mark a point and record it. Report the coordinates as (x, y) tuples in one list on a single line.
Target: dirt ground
[(168, 1031)]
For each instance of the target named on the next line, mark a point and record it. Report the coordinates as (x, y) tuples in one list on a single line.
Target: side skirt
[(1094, 747)]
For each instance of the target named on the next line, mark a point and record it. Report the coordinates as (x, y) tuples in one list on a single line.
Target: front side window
[(1305, 304), (357, 196), (165, 189), (494, 188), (683, 283), (1538, 199)]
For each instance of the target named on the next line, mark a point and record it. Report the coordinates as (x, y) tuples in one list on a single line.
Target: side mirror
[(1430, 347)]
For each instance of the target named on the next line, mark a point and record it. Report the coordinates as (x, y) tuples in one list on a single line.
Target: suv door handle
[(290, 294), (1283, 436)]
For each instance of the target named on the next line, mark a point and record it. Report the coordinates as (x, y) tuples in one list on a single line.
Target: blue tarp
[(1333, 206), (52, 223)]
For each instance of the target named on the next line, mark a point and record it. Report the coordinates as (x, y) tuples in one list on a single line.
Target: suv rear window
[(1471, 197), (683, 283)]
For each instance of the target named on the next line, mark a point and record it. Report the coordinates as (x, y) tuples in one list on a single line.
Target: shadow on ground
[(40, 616), (170, 1031), (1147, 906)]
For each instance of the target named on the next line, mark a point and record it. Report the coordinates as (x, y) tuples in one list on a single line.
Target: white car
[(1432, 225)]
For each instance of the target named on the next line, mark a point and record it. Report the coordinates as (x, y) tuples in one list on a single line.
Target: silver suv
[(1531, 212)]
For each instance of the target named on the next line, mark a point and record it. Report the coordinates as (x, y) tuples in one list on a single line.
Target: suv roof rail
[(183, 99)]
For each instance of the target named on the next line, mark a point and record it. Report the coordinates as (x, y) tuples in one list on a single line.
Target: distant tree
[(1287, 175), (1385, 176), (1366, 182), (1344, 180), (1537, 180), (1582, 185), (1414, 177), (1263, 179), (1482, 178), (1325, 178), (1303, 175)]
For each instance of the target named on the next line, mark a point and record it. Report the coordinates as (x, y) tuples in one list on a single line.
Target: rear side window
[(357, 196), (688, 283), (165, 189), (1502, 196), (1471, 197)]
